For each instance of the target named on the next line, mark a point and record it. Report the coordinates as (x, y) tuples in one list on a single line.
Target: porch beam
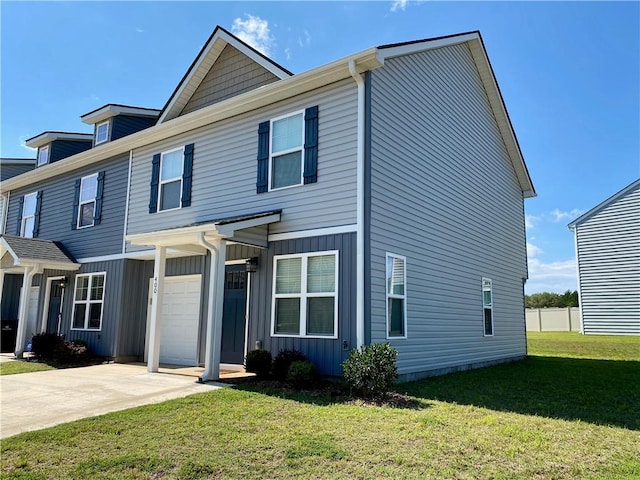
[(153, 361)]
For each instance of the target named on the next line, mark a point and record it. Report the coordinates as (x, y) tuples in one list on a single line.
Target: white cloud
[(398, 5), (304, 42), (22, 139), (551, 277), (255, 32), (558, 215), (139, 30), (287, 52), (530, 221), (532, 250)]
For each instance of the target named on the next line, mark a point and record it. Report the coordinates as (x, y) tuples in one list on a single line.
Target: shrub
[(371, 371), (75, 351), (45, 345), (302, 373), (283, 361), (258, 362)]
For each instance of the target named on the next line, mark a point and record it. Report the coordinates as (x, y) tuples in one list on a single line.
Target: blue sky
[(569, 74)]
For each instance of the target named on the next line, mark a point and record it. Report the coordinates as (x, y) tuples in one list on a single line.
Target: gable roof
[(112, 109), (208, 55), (36, 251), (48, 137), (606, 203)]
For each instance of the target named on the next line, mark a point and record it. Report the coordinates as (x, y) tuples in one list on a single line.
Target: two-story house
[(375, 198)]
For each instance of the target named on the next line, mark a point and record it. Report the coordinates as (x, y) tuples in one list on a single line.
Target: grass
[(575, 345), (545, 417), (23, 366)]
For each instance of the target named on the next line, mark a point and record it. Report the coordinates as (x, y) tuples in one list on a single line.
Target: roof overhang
[(15, 261), (48, 137), (187, 238), (246, 102), (587, 215), (112, 109)]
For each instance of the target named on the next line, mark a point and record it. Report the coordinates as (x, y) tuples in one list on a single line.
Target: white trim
[(111, 110), (304, 295), (407, 49), (97, 141), (48, 137), (287, 151), (402, 297), (316, 232), (5, 214), (45, 148), (32, 215), (126, 205), (80, 202), (575, 244), (239, 261), (44, 321), (485, 307), (88, 302), (170, 180)]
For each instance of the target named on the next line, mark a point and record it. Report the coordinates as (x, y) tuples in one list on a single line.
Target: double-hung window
[(287, 140), (27, 225), (487, 306), (87, 205), (102, 132), (171, 164), (43, 155), (396, 280), (88, 301), (305, 295)]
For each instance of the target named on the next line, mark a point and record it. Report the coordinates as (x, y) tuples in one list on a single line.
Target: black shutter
[(97, 212), (262, 183), (76, 204), (155, 183), (36, 219), (311, 145), (187, 174), (20, 208)]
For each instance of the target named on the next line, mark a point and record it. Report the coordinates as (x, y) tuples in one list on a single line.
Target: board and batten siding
[(609, 267), (57, 210), (445, 195), (225, 165), (232, 74)]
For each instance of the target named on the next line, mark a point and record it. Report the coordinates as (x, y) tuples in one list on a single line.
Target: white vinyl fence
[(553, 319)]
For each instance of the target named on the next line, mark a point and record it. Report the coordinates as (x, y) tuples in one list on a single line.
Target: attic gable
[(225, 67)]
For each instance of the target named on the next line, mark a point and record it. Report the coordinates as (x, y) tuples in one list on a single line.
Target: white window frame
[(173, 179), (80, 202), (24, 218), (88, 302), (106, 138), (395, 295), (273, 154), (303, 295), (41, 154), (490, 307)]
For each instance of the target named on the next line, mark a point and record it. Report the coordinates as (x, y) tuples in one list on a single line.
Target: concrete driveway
[(31, 401)]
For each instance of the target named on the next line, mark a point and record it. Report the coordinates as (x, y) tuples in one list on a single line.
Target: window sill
[(97, 330), (86, 226), (282, 335), (285, 188)]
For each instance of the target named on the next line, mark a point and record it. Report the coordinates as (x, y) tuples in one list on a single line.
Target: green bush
[(45, 346), (302, 373), (283, 361), (258, 362), (371, 371), (73, 352)]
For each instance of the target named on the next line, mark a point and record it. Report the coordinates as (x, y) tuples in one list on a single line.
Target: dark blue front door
[(233, 317), (53, 313)]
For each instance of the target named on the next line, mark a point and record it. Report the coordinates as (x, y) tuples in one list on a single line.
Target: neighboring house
[(607, 240), (10, 167), (376, 198)]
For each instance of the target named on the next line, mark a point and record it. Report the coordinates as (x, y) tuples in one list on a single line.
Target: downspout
[(126, 205), (208, 373), (359, 206)]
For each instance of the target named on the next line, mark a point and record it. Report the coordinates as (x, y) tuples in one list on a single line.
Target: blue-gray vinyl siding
[(444, 194), (65, 148), (225, 166), (123, 125), (608, 254), (57, 210), (11, 170)]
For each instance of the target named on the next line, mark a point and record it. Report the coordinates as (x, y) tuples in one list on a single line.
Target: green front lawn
[(23, 366), (572, 344), (545, 417)]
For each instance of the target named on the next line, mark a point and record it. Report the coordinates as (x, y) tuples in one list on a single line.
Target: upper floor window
[(487, 306), (87, 301), (288, 151), (43, 155), (28, 222), (305, 295), (396, 281), (171, 176), (102, 132), (87, 201)]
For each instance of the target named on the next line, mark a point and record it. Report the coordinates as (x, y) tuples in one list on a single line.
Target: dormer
[(54, 146), (113, 121)]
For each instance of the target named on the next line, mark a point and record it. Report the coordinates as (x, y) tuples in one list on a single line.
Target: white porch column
[(153, 360), (218, 250), (21, 334)]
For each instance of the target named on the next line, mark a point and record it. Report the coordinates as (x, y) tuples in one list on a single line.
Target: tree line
[(549, 299)]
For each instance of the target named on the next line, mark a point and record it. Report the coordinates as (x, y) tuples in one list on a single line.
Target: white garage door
[(180, 320)]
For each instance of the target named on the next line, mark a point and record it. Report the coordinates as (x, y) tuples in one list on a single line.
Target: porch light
[(252, 265)]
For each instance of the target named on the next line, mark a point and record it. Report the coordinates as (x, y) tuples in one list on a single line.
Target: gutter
[(359, 207)]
